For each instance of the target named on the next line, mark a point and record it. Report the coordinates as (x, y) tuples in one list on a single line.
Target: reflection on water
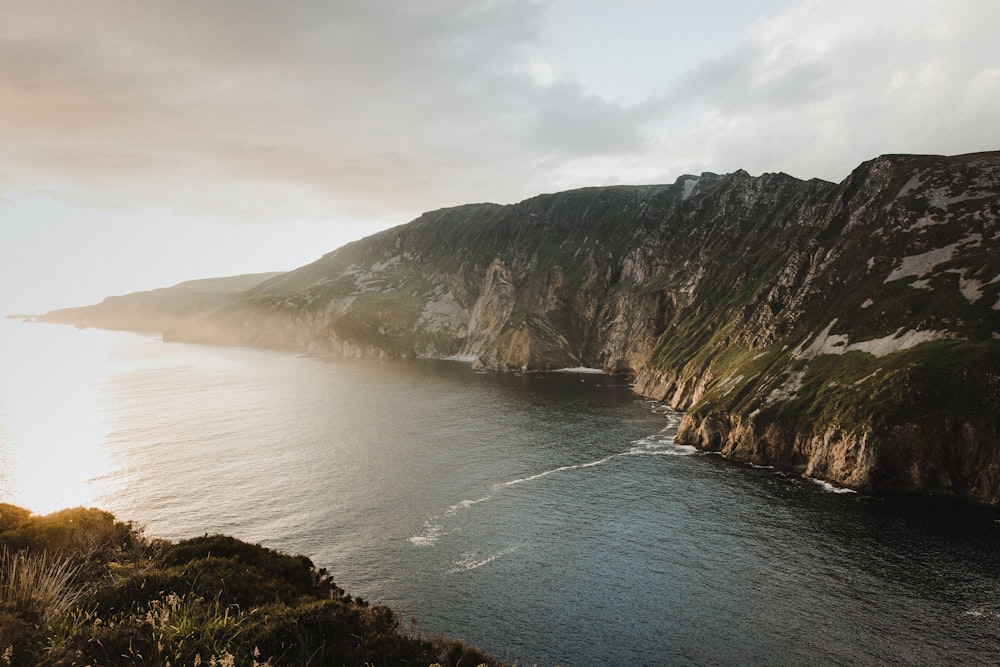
[(52, 442), (546, 518)]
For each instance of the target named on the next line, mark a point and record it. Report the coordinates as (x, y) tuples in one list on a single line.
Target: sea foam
[(577, 466), (658, 444), (434, 527), (830, 488), (472, 560)]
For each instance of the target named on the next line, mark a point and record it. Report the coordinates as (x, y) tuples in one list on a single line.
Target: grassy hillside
[(79, 587)]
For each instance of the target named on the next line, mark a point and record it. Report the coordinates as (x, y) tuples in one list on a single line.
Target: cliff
[(846, 331), (161, 310)]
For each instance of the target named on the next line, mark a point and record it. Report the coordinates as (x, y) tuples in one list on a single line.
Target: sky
[(147, 143)]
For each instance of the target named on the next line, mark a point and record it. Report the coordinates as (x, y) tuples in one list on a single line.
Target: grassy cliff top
[(79, 587)]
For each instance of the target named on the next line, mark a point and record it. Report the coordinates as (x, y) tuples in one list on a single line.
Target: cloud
[(359, 109), (541, 73), (349, 102), (823, 86)]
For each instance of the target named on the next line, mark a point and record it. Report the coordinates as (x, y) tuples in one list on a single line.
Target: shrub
[(79, 587), (296, 571), (12, 516), (327, 632), (90, 535)]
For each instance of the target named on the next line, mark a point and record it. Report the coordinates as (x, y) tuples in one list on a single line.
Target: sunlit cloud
[(541, 73)]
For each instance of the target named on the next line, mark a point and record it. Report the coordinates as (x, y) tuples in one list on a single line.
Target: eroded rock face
[(849, 332), (842, 458), (491, 312)]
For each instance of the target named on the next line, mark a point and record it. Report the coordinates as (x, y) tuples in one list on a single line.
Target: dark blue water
[(545, 518)]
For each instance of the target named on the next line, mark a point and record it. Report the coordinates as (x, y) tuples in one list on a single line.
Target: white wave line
[(465, 504), (576, 466), (470, 562), (661, 443), (434, 528), (432, 531), (677, 450), (830, 488), (658, 444)]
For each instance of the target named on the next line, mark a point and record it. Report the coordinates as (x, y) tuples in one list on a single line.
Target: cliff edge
[(849, 332)]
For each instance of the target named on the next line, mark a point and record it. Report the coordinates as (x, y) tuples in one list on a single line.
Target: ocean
[(546, 518)]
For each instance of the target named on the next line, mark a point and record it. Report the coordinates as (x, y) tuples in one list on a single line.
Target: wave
[(830, 488), (472, 561), (434, 527), (432, 531), (659, 444), (662, 449), (577, 466)]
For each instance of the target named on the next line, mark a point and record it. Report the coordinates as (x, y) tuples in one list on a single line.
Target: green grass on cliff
[(857, 390), (79, 587), (946, 378)]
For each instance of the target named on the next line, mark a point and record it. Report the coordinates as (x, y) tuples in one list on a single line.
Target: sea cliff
[(848, 332)]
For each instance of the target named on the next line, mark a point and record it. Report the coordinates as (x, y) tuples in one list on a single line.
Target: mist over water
[(545, 517)]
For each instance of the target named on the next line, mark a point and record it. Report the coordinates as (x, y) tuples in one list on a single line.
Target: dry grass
[(39, 582)]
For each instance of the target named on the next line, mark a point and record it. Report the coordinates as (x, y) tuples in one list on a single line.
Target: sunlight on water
[(52, 446), (431, 488)]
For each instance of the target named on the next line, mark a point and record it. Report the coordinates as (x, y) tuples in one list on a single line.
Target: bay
[(548, 518)]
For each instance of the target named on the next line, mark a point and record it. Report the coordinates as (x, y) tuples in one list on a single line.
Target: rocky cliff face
[(848, 332)]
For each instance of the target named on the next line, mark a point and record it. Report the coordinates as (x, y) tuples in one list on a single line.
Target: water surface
[(549, 518)]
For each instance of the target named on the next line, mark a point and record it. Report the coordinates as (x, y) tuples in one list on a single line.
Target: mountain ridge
[(161, 309), (848, 332)]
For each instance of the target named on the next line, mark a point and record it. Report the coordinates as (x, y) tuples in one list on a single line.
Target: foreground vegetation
[(79, 587)]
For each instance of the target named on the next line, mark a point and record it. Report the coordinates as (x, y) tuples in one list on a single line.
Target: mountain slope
[(847, 332), (161, 310)]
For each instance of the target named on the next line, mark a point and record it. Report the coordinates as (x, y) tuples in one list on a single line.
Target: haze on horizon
[(146, 144)]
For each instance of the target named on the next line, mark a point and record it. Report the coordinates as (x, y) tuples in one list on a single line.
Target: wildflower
[(227, 659)]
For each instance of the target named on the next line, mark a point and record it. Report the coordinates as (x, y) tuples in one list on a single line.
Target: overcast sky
[(146, 143)]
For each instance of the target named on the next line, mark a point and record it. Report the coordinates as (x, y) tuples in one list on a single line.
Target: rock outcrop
[(849, 332)]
